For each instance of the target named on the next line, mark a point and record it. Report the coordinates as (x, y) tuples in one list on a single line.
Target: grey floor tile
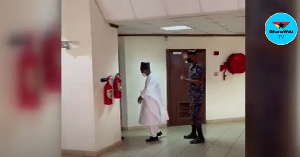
[(222, 140), (236, 153), (215, 153)]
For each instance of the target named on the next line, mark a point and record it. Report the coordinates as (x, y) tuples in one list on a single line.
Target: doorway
[(177, 91)]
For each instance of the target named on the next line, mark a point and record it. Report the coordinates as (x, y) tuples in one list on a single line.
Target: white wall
[(105, 63), (224, 99), (77, 103), (122, 66), (26, 133), (88, 124), (78, 128)]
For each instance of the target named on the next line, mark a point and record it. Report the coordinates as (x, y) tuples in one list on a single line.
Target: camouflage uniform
[(196, 93)]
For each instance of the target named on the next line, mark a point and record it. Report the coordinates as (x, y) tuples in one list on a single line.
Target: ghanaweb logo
[(281, 28), (280, 24)]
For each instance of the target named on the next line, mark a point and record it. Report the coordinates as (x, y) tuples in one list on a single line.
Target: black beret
[(145, 65), (191, 52)]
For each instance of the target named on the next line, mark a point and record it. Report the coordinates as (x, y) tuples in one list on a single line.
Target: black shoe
[(122, 138), (192, 135), (199, 139), (152, 139), (159, 134)]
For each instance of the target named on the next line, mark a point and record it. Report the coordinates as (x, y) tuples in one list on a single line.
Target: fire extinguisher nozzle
[(103, 79)]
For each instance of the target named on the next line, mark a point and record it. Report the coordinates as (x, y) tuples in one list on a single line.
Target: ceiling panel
[(238, 29), (215, 30), (195, 22), (164, 23), (236, 13), (142, 31), (148, 8), (225, 18), (158, 31), (131, 10), (222, 23), (181, 7), (233, 23), (137, 25), (236, 26), (123, 7), (205, 25), (218, 5)]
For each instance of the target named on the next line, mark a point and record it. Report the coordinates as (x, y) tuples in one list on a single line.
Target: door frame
[(168, 53)]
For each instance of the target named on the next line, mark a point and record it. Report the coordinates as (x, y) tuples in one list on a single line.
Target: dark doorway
[(177, 91)]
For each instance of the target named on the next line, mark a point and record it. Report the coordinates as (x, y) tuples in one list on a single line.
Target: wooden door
[(177, 90)]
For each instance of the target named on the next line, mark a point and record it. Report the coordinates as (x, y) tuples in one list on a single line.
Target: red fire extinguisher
[(29, 76), (51, 61), (117, 86), (108, 92)]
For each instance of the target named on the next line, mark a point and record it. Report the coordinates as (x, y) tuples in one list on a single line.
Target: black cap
[(191, 52), (145, 66)]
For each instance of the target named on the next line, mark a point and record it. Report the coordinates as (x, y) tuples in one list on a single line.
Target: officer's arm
[(198, 81), (200, 72)]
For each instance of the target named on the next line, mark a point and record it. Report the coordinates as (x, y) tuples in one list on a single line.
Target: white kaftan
[(153, 112)]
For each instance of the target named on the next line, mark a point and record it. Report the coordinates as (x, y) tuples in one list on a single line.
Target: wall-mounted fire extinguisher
[(52, 61), (29, 75), (107, 91), (117, 86)]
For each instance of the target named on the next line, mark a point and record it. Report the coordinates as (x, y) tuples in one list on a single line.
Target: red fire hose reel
[(235, 64)]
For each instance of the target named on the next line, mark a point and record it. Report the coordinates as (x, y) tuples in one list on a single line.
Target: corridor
[(110, 45)]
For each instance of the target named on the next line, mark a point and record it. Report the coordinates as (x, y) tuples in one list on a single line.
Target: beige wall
[(105, 63), (224, 99), (26, 133), (88, 124), (77, 76)]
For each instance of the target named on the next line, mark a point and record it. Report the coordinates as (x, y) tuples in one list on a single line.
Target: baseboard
[(82, 153), (239, 119), (131, 128)]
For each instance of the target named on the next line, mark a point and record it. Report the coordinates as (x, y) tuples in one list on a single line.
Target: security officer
[(196, 93)]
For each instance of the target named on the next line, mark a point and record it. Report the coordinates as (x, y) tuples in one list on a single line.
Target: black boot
[(192, 135), (159, 134), (152, 139), (199, 139)]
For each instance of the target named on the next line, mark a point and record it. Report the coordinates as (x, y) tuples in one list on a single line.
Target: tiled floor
[(222, 140)]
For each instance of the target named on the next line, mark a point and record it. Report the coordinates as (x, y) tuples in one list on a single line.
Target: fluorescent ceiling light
[(175, 28)]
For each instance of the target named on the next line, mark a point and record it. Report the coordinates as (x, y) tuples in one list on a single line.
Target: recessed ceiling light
[(175, 28)]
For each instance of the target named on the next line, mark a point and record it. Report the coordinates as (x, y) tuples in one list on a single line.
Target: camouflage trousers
[(196, 111)]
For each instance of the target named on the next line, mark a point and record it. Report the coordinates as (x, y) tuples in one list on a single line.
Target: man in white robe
[(153, 112)]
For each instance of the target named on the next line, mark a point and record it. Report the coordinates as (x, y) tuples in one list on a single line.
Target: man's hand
[(183, 78), (140, 99), (200, 81)]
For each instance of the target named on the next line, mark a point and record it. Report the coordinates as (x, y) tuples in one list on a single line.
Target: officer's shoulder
[(199, 65)]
